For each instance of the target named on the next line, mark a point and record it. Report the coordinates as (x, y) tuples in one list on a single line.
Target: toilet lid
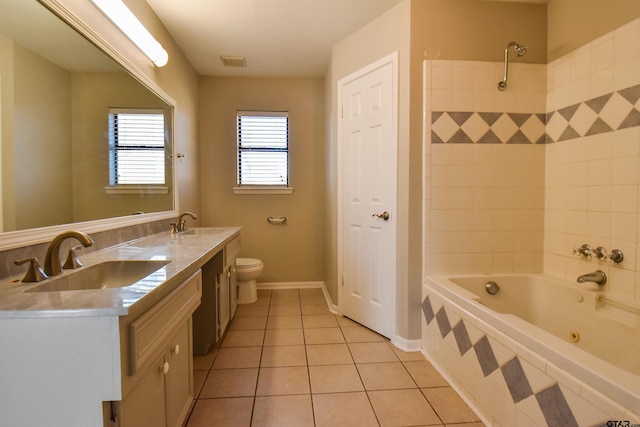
[(247, 262)]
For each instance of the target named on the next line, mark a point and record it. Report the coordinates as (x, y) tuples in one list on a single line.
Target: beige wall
[(290, 252), (42, 152), (381, 37), (573, 23)]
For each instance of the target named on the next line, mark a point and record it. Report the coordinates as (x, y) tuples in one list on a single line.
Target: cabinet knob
[(165, 368), (176, 349)]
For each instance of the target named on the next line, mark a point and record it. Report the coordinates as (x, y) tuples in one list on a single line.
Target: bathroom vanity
[(118, 356)]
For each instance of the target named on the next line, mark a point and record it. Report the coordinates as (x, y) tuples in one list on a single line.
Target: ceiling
[(291, 38)]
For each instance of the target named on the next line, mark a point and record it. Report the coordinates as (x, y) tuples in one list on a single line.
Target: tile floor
[(287, 361)]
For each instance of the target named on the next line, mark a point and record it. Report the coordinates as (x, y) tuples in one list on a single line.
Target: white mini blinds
[(136, 146), (263, 148)]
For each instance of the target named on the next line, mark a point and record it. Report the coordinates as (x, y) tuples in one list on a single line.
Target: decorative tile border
[(551, 401), (607, 113)]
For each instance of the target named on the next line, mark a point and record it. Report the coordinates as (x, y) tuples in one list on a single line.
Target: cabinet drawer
[(149, 331), (231, 251)]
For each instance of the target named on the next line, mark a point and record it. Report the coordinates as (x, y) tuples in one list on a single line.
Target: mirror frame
[(21, 238)]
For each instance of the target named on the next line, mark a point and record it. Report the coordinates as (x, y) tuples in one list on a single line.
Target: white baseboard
[(301, 285), (407, 345)]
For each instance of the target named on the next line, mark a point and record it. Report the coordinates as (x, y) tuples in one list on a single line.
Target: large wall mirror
[(57, 161)]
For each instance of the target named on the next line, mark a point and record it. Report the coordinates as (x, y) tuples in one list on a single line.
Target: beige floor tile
[(201, 363), (328, 354), (230, 383), (334, 379), (424, 374), (281, 411), (313, 299), (245, 310), (252, 338), (361, 334), (285, 297), (199, 378), (310, 292), (448, 405), (281, 381), (323, 336), (283, 337), (407, 356), (264, 297), (385, 376), (248, 323), (284, 322), (343, 410), (402, 408), (238, 357), (320, 321), (372, 352), (315, 309), (283, 355), (285, 310), (345, 322), (235, 412)]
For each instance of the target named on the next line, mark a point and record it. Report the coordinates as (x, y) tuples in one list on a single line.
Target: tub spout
[(597, 277)]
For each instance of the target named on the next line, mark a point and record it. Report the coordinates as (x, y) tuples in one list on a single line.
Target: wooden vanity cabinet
[(157, 372)]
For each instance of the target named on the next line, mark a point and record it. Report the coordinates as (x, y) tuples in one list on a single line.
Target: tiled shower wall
[(592, 173), (484, 168), (515, 179)]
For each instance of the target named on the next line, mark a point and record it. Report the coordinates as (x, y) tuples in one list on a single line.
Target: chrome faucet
[(52, 266), (597, 277), (180, 225)]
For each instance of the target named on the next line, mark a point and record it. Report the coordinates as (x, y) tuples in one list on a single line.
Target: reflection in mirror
[(58, 165)]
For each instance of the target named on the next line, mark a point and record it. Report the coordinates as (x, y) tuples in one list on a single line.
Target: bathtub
[(541, 351)]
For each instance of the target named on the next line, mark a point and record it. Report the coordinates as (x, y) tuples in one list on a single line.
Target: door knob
[(384, 215)]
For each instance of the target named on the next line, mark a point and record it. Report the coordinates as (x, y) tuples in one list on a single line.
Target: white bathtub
[(571, 342)]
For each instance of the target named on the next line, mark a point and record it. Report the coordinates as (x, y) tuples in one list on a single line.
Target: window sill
[(137, 189), (262, 189)]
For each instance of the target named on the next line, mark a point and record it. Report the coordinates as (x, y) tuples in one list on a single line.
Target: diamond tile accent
[(462, 337), (427, 309), (583, 119), (516, 380), (554, 407), (443, 322), (606, 113), (616, 110), (504, 127), (485, 355), (551, 400)]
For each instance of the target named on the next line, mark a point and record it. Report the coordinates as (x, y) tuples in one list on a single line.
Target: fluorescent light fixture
[(124, 19)]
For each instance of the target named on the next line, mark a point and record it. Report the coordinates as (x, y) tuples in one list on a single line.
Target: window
[(136, 147), (263, 149)]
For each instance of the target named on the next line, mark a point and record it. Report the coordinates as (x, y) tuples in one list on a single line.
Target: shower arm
[(503, 84)]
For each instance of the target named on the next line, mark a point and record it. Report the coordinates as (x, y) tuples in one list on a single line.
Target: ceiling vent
[(233, 61)]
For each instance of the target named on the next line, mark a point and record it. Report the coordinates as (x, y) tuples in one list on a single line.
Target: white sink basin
[(108, 274)]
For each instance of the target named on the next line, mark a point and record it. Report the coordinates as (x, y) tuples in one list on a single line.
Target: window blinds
[(263, 148)]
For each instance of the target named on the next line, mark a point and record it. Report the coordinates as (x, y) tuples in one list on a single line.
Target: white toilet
[(247, 271)]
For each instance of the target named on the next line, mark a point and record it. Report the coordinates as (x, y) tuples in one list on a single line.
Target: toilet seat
[(247, 263)]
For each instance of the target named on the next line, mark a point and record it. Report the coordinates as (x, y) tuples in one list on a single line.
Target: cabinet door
[(233, 288), (180, 377), (223, 303), (145, 404)]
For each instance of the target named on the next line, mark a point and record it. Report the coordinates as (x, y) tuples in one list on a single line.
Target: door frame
[(392, 58)]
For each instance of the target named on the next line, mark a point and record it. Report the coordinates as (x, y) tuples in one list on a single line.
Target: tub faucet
[(181, 224), (597, 277), (52, 266)]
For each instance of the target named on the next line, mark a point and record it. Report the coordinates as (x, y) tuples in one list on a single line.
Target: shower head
[(521, 50)]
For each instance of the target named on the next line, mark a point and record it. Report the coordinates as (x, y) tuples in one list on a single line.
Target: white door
[(367, 185)]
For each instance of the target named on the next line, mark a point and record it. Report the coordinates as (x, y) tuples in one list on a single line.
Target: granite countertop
[(186, 253)]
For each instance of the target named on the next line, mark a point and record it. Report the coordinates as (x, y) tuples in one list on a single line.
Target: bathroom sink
[(108, 274)]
